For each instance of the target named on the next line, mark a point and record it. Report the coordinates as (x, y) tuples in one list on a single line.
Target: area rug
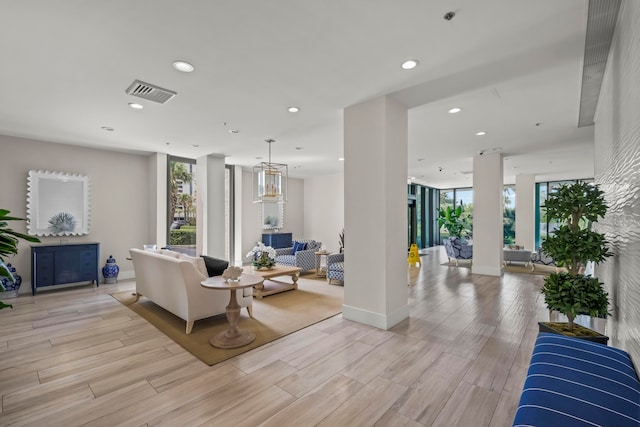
[(511, 268), (274, 316)]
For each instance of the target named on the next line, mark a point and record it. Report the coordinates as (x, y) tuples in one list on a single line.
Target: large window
[(509, 219), (421, 215), (545, 227), (455, 197), (182, 205)]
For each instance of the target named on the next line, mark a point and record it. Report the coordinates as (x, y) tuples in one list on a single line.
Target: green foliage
[(575, 295), (182, 236), (9, 240), (454, 221), (341, 240), (576, 207)]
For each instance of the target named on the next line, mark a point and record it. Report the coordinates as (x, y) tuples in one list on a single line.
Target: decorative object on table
[(11, 287), (263, 256), (150, 247), (9, 246), (62, 223), (110, 270), (232, 274), (575, 207), (50, 194), (270, 181)]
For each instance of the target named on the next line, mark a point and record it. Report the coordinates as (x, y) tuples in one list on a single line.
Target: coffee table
[(232, 337), (272, 286)]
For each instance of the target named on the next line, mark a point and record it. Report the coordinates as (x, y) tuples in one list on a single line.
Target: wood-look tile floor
[(78, 357)]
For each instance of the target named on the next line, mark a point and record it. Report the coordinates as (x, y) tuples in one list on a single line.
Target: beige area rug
[(274, 316), (511, 268)]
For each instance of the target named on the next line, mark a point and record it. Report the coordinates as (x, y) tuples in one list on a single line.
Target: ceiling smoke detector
[(150, 92)]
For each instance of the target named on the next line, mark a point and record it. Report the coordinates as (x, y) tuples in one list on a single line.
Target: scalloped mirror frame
[(54, 193)]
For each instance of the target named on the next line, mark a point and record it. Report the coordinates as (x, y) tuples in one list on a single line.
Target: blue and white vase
[(110, 271), (11, 287)]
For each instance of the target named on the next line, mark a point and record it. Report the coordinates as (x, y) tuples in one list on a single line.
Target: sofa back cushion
[(215, 266), (298, 246), (197, 261)]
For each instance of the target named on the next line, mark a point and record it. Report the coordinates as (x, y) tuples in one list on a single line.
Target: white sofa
[(172, 281)]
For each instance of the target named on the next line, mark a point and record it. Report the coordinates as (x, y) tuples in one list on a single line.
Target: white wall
[(617, 162), (324, 209), (251, 216), (119, 196)]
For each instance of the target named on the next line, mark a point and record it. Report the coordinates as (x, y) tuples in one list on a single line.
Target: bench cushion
[(574, 382)]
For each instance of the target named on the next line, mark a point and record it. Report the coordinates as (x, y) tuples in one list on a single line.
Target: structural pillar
[(375, 200), (488, 213), (158, 225), (210, 227), (525, 211)]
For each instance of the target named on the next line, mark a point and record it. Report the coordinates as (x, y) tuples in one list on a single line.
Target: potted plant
[(9, 247), (453, 221), (263, 256), (575, 207)]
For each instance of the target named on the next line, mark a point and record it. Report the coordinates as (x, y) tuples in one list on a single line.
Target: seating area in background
[(541, 258), (515, 253), (457, 250), (301, 255), (335, 268)]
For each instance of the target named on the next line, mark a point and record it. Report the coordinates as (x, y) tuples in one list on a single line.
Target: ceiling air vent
[(150, 92)]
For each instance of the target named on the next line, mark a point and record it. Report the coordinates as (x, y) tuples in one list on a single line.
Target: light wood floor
[(78, 357)]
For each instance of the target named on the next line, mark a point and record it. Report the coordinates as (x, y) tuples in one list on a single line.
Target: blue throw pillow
[(298, 246)]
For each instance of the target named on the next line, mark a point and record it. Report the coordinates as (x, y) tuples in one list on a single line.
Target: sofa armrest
[(335, 258)]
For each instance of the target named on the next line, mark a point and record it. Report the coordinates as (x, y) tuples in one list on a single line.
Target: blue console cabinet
[(67, 263), (277, 240)]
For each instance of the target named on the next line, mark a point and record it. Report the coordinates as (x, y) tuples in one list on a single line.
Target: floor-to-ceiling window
[(509, 221), (181, 206), (545, 227), (422, 206), (455, 197)]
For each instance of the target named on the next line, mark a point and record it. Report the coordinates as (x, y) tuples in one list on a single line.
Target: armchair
[(457, 250), (305, 259), (335, 267)]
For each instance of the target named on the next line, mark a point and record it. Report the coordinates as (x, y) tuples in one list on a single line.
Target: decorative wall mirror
[(57, 204), (272, 216)]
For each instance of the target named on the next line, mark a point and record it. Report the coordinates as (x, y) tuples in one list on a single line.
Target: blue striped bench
[(574, 382)]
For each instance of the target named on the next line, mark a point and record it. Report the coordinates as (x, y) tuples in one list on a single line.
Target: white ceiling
[(509, 64)]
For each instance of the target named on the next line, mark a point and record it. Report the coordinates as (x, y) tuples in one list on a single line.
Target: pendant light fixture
[(270, 180)]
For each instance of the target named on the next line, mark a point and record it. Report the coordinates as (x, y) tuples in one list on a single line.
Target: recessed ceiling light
[(136, 106), (183, 66), (410, 64), (341, 159), (293, 109), (481, 133), (234, 131), (108, 128), (455, 110)]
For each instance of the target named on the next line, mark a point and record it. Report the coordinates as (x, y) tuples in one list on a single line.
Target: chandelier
[(270, 181)]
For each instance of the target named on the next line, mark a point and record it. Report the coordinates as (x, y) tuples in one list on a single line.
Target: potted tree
[(576, 207), (9, 246), (453, 220)]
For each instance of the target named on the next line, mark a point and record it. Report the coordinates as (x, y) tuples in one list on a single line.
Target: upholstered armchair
[(304, 259), (457, 250), (335, 268)]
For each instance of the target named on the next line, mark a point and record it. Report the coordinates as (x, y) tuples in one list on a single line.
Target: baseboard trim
[(487, 270), (377, 320)]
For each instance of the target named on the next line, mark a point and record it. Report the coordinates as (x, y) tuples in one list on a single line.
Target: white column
[(158, 225), (488, 212), (237, 257), (210, 206), (525, 211), (375, 199)]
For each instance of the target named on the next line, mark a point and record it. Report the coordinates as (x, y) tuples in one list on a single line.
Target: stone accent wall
[(617, 171)]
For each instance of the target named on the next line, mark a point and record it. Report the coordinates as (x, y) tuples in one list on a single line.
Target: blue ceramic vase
[(110, 271), (11, 287)]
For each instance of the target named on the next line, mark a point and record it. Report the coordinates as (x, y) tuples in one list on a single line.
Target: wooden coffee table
[(271, 287)]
